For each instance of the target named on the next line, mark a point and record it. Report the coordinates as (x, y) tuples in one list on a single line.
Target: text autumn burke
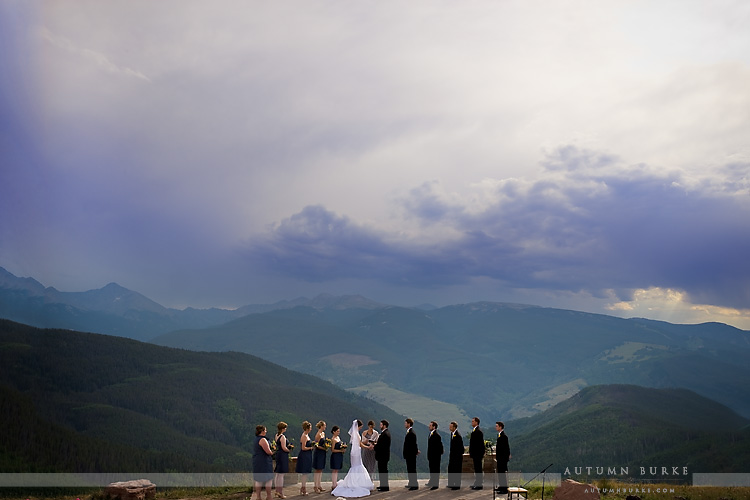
[(625, 471)]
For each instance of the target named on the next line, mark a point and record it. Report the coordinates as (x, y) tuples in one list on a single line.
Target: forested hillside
[(458, 354), (631, 426), (97, 403)]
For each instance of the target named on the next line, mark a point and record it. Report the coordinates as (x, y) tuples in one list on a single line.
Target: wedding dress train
[(357, 482)]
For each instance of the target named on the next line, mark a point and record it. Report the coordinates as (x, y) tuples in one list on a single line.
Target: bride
[(357, 482)]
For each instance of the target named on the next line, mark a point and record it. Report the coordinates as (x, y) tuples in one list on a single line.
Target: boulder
[(139, 489), (573, 490)]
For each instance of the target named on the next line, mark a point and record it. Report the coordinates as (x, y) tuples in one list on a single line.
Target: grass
[(419, 408), (206, 493)]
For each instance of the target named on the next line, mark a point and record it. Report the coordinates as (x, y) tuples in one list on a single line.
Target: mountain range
[(83, 402), (493, 360), (496, 361), (115, 310)]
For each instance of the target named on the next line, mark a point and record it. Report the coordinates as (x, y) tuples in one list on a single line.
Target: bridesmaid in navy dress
[(304, 459), (262, 462), (319, 456), (337, 455), (282, 458)]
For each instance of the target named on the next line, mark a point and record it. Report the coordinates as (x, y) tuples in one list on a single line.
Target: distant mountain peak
[(114, 286), (114, 298), (111, 299), (486, 306), (328, 301), (12, 282)]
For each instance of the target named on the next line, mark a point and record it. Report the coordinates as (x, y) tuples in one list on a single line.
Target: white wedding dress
[(357, 482)]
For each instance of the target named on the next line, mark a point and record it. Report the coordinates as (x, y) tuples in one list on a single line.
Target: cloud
[(318, 245), (675, 306), (589, 222), (97, 58), (389, 145)]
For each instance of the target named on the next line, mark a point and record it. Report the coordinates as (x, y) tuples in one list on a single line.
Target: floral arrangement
[(489, 447), (327, 444)]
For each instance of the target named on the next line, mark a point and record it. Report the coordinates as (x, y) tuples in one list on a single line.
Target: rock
[(632, 497), (139, 489), (488, 465), (573, 490)]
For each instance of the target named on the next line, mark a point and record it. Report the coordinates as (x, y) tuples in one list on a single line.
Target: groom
[(383, 454)]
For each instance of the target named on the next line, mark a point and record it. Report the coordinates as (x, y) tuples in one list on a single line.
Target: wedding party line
[(370, 451)]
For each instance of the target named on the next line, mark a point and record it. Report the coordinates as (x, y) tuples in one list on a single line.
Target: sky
[(579, 154)]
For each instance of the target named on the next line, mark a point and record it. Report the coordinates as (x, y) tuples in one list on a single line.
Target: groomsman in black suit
[(383, 454), (434, 453), (502, 454), (455, 457), (476, 451), (411, 450)]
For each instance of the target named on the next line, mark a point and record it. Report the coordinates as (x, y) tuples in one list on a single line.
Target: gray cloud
[(318, 245), (589, 224)]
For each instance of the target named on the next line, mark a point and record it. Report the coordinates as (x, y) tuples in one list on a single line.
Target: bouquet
[(327, 444), (289, 444)]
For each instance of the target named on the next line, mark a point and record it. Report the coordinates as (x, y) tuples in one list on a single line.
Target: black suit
[(502, 454), (410, 452), (476, 451), (434, 454), (382, 455), (455, 460)]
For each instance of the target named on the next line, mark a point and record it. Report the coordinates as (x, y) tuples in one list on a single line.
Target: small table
[(518, 491)]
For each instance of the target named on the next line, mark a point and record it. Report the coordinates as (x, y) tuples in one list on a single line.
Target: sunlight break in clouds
[(675, 306)]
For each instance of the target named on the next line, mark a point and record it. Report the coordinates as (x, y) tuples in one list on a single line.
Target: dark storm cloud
[(589, 224), (318, 245)]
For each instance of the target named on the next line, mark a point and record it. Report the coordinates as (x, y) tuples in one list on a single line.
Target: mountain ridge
[(116, 310), (631, 427), (117, 404), (96, 390), (539, 355), (542, 355)]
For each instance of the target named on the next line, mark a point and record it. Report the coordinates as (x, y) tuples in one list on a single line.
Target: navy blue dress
[(304, 460), (319, 455), (262, 463), (337, 459), (282, 458)]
